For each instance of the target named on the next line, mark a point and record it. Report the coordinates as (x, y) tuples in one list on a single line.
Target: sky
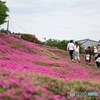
[(56, 19)]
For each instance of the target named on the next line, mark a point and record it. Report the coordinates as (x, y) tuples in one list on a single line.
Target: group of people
[(96, 50), (71, 47), (74, 48)]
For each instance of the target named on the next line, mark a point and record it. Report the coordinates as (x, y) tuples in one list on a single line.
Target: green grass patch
[(30, 50), (40, 63), (58, 50), (47, 64), (1, 89), (54, 64), (15, 43), (50, 54)]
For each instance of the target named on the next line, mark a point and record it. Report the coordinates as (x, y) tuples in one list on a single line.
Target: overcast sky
[(57, 19)]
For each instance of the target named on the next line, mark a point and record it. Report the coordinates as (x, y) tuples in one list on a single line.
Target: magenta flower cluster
[(18, 55)]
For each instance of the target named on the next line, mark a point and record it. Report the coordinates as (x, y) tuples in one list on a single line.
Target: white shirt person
[(70, 48)]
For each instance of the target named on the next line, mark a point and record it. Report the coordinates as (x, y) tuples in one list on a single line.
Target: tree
[(61, 44), (3, 12)]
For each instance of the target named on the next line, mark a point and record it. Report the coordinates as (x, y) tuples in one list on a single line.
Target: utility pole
[(0, 29), (8, 26)]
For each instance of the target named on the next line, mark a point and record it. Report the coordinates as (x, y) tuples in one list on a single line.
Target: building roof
[(88, 42)]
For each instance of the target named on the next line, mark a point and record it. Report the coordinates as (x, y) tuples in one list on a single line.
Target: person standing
[(88, 54), (98, 48), (95, 52), (76, 49), (97, 60), (70, 48)]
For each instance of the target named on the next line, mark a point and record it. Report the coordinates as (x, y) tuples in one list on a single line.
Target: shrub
[(30, 38)]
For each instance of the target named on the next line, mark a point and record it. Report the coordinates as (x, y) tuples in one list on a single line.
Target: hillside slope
[(21, 57), (16, 53)]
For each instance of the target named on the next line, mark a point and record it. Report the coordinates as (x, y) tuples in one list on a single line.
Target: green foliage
[(3, 12), (81, 49), (30, 38), (57, 43), (5, 31), (92, 50), (61, 44), (1, 89), (25, 36)]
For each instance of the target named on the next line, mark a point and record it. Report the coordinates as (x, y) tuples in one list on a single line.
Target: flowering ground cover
[(29, 71)]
